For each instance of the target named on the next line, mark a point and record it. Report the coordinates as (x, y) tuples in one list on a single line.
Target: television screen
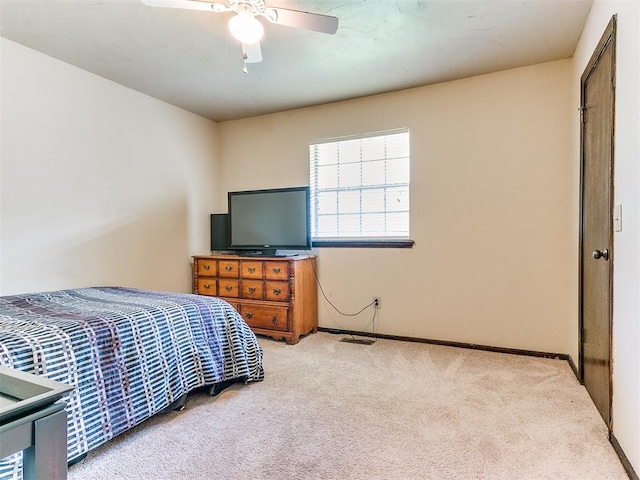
[(267, 220)]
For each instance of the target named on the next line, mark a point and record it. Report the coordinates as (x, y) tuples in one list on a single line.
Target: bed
[(130, 354)]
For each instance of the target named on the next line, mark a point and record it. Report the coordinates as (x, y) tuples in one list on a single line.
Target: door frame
[(608, 39)]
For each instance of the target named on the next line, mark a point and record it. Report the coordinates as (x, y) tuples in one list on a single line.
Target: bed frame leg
[(219, 387), (178, 404)]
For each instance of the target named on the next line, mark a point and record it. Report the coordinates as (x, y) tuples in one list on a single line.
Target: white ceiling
[(189, 59)]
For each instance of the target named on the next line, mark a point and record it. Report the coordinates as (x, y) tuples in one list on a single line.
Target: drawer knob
[(249, 315), (206, 267), (228, 288), (252, 289), (252, 269), (277, 291), (228, 268), (276, 270), (207, 286), (275, 320)]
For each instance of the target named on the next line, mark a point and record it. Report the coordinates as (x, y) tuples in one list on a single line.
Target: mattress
[(129, 353)]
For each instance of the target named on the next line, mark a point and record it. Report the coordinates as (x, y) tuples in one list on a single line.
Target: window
[(360, 190)]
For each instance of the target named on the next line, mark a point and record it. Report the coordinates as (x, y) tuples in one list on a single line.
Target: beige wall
[(492, 207), (100, 184), (626, 251)]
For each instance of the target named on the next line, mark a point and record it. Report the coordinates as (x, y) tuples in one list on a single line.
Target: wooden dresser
[(276, 296)]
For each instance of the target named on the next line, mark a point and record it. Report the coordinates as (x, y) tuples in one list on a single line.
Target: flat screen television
[(261, 222)]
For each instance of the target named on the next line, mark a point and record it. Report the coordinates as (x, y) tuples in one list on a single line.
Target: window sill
[(363, 243)]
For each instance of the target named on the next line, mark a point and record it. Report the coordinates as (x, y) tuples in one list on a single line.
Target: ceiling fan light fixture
[(246, 28)]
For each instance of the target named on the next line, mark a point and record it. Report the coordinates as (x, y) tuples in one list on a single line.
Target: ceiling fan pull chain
[(244, 59)]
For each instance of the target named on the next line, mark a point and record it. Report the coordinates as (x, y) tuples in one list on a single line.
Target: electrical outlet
[(376, 303)]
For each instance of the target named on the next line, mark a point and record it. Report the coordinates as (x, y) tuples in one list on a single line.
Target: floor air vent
[(359, 341)]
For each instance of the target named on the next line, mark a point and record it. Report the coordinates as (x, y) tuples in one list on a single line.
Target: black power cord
[(373, 302)]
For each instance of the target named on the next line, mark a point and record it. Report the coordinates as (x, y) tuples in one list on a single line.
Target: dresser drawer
[(252, 289), (276, 271), (207, 267), (228, 268), (263, 316), (207, 286), (276, 291), (251, 269), (228, 288)]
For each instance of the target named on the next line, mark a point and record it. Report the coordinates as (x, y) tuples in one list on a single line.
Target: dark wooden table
[(42, 435)]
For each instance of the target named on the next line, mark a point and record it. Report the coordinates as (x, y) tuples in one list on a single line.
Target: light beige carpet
[(393, 410)]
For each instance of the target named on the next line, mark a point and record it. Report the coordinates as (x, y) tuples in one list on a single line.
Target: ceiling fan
[(244, 25)]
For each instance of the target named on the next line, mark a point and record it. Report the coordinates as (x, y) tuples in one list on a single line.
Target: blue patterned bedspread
[(130, 353)]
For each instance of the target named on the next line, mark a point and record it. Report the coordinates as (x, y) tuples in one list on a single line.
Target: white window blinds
[(360, 187)]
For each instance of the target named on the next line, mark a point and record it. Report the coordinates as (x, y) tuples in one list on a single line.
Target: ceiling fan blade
[(188, 5), (299, 19), (252, 51)]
